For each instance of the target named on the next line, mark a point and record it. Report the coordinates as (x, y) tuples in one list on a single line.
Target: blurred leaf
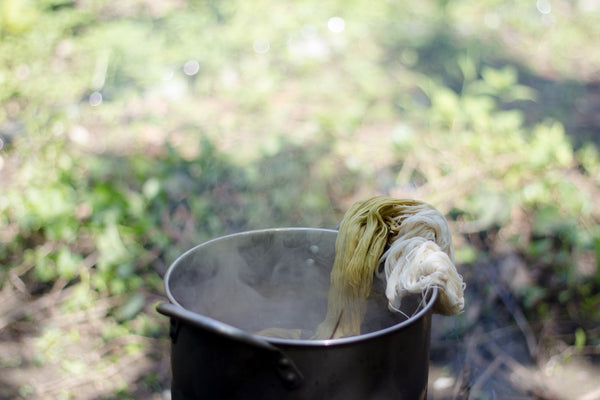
[(445, 103), (111, 248), (134, 304), (468, 67), (499, 79), (151, 188), (589, 157), (580, 338), (519, 92), (67, 263), (465, 255), (17, 16), (549, 220), (549, 145)]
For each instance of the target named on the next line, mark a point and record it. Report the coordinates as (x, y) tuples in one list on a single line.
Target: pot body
[(216, 359)]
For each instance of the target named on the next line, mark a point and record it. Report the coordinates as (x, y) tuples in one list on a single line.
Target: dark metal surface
[(182, 319), (214, 360)]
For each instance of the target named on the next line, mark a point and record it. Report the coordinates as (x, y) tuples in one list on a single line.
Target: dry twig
[(517, 315), (525, 379)]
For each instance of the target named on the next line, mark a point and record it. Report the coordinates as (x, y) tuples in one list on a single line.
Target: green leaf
[(151, 188), (134, 304), (500, 79), (465, 255), (67, 263), (580, 338)]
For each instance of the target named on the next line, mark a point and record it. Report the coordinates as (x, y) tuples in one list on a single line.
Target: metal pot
[(225, 289)]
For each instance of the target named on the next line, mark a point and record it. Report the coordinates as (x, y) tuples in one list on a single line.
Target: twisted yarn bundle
[(419, 256)]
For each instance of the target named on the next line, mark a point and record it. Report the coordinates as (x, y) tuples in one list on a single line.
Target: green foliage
[(473, 151), (427, 100), (17, 16)]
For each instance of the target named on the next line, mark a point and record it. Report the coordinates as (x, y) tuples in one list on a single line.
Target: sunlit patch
[(261, 46), (308, 44), (492, 20), (79, 134), (589, 5), (336, 24), (443, 383), (229, 77), (95, 99), (168, 74), (543, 6), (191, 68)]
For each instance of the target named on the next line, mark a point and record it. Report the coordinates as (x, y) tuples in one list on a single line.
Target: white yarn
[(420, 257)]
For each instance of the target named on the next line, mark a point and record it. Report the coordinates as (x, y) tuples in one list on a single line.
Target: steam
[(273, 280)]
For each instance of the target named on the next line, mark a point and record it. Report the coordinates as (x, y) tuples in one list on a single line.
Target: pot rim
[(297, 342)]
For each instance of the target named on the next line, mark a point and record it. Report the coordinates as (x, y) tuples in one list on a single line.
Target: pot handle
[(285, 367)]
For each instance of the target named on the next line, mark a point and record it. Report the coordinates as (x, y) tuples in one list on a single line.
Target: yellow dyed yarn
[(367, 227)]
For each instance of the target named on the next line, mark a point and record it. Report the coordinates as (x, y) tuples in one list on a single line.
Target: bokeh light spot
[(191, 68), (544, 6), (95, 99), (336, 24), (261, 46)]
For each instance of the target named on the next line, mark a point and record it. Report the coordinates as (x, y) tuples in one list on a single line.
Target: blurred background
[(133, 130)]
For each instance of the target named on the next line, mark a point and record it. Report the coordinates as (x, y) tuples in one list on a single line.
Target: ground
[(412, 100), (490, 351)]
